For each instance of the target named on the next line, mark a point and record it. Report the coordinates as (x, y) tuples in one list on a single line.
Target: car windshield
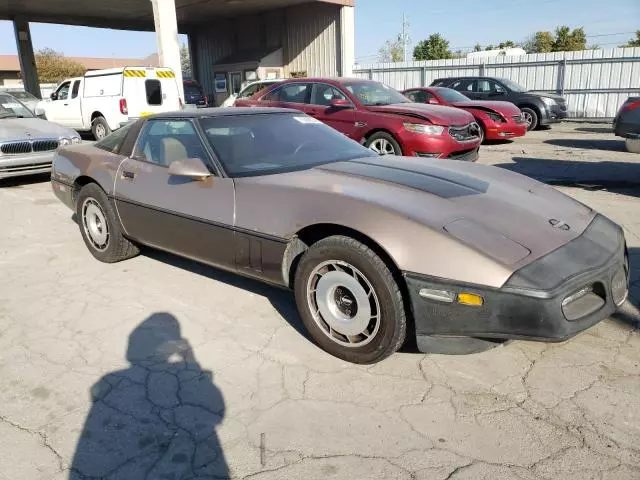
[(262, 144), (22, 95), (450, 95), (513, 86), (375, 93), (11, 107)]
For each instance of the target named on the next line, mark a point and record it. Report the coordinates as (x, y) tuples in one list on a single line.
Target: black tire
[(100, 128), (392, 324), (534, 117), (384, 136), (116, 247)]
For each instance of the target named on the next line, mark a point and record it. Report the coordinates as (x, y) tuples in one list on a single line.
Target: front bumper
[(437, 146), (31, 164), (554, 114), (530, 304), (502, 131)]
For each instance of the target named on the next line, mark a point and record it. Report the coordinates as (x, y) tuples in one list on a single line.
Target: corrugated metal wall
[(595, 82), (210, 45), (313, 39)]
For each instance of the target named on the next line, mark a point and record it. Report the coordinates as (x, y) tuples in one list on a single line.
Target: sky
[(470, 22)]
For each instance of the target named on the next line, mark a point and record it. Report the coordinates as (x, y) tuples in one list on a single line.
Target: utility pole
[(405, 36)]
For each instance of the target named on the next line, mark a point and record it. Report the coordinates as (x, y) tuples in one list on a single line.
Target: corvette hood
[(508, 216), (505, 108), (438, 115)]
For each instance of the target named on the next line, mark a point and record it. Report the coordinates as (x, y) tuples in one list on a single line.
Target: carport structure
[(316, 36)]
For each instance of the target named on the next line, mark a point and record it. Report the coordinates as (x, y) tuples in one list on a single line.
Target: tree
[(634, 42), (185, 61), (53, 67), (392, 51), (477, 48), (433, 48), (507, 44), (543, 42), (489, 47), (568, 40)]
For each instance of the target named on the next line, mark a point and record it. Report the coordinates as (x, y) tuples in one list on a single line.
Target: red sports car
[(497, 120), (377, 116)]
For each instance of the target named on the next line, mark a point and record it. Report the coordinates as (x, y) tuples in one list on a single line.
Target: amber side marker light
[(470, 299)]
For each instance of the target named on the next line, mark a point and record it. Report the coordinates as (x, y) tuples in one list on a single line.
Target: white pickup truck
[(103, 100)]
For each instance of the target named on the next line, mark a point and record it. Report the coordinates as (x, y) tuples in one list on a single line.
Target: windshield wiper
[(8, 115), (381, 104)]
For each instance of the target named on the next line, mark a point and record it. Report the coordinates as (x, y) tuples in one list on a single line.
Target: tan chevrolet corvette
[(461, 255)]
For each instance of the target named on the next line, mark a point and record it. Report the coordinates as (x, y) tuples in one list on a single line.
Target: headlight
[(421, 128), (62, 141), (75, 140), (549, 102), (496, 117)]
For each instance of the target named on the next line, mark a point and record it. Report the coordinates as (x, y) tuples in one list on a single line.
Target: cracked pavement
[(160, 368)]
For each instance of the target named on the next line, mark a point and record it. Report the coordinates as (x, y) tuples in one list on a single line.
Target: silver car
[(27, 99), (27, 144)]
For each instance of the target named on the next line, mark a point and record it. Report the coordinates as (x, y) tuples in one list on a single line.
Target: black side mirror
[(54, 96)]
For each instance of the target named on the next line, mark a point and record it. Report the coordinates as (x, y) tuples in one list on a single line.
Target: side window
[(419, 96), (484, 86), (324, 94), (63, 91), (273, 95), (112, 142), (250, 90), (74, 90), (153, 89), (464, 85), (295, 93), (164, 141), (495, 87)]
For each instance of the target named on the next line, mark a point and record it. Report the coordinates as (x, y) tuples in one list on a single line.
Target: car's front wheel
[(530, 118), (349, 300), (99, 227), (383, 143)]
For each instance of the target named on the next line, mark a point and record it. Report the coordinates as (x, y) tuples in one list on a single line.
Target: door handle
[(66, 104), (127, 174)]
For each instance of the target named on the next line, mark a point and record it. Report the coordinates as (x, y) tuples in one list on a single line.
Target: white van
[(103, 100)]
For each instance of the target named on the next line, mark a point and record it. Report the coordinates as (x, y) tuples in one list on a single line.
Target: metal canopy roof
[(136, 14)]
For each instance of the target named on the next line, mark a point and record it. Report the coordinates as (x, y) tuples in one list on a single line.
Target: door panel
[(342, 119), (57, 110), (72, 115), (193, 218)]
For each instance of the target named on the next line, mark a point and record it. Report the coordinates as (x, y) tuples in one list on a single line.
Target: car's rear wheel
[(100, 128), (349, 300), (530, 118), (633, 145), (383, 143), (99, 227)]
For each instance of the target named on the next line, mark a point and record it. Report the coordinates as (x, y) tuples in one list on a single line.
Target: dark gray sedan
[(27, 144)]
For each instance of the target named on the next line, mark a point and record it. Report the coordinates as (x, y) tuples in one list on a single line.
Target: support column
[(27, 58), (347, 41), (164, 17)]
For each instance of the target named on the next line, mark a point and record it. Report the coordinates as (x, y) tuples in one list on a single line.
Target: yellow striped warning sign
[(135, 73), (165, 74)]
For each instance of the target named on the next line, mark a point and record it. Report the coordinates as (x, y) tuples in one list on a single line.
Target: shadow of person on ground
[(156, 419)]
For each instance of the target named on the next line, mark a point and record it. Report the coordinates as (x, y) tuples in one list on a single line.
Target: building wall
[(10, 79), (309, 35)]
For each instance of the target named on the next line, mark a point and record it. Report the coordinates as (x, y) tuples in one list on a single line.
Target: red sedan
[(377, 116), (497, 120)]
